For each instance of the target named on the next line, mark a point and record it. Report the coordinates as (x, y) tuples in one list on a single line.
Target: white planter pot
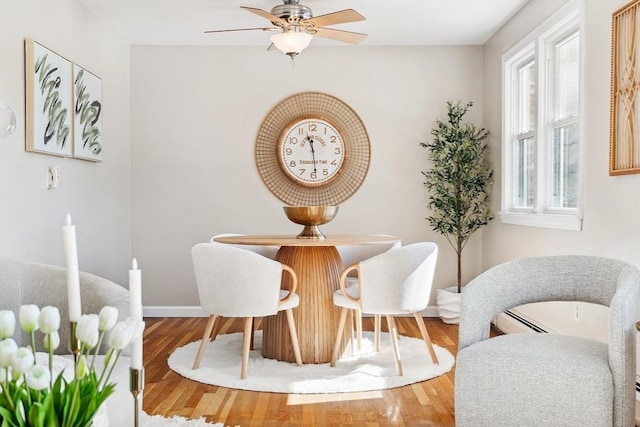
[(448, 301)]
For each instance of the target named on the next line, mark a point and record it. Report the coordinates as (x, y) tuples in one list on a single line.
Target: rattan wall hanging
[(293, 113), (624, 143)]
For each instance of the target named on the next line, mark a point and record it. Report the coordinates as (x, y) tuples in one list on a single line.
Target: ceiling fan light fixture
[(291, 43)]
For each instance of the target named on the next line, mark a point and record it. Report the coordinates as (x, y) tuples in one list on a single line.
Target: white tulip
[(29, 314), (138, 327), (49, 319), (38, 378), (52, 341), (108, 318), (8, 348), (120, 335), (87, 330), (7, 324), (22, 361)]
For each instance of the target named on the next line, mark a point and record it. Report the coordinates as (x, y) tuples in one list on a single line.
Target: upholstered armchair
[(541, 379)]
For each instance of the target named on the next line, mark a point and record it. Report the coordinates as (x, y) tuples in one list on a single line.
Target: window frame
[(536, 47)]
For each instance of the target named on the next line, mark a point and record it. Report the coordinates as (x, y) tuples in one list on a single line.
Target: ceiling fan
[(297, 26)]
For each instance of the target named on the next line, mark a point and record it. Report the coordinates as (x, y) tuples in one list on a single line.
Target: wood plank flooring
[(429, 403)]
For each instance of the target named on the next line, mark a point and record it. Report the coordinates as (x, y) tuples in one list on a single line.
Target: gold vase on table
[(311, 217)]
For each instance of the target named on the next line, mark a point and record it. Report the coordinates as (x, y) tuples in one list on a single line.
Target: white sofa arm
[(43, 284)]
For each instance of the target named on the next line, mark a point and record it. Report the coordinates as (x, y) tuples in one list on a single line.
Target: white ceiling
[(388, 22)]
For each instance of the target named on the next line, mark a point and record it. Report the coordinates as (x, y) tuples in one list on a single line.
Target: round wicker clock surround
[(347, 123)]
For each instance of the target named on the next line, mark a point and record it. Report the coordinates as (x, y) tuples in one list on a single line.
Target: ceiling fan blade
[(271, 47), (340, 35), (268, 15), (242, 29), (340, 17)]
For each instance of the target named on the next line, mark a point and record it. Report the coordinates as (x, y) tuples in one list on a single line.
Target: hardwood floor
[(429, 403)]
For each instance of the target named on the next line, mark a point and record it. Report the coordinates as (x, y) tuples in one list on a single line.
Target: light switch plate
[(53, 177)]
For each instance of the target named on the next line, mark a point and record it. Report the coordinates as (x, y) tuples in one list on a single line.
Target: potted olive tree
[(458, 186)]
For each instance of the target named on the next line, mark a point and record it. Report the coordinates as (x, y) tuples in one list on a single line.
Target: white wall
[(195, 115), (98, 195), (611, 226)]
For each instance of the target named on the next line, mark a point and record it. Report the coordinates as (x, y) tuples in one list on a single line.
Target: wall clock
[(312, 149)]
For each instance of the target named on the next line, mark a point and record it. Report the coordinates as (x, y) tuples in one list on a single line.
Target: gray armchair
[(42, 284), (541, 379)]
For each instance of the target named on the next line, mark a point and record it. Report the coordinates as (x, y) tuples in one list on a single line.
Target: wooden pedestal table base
[(318, 269)]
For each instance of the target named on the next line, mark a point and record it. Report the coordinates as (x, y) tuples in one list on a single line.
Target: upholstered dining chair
[(543, 379), (234, 282), (267, 251), (397, 282), (353, 254)]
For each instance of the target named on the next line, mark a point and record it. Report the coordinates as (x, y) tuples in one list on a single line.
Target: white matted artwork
[(48, 100), (87, 118)]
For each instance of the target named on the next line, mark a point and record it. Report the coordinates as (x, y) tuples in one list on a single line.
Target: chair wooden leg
[(353, 326), (205, 340), (393, 335), (216, 328), (376, 332), (253, 328), (426, 338), (336, 346), (294, 337), (248, 323), (358, 315)]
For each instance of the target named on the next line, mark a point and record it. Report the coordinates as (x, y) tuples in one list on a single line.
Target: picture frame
[(87, 114), (624, 135), (48, 101)]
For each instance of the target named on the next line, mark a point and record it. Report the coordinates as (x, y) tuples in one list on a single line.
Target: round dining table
[(318, 266)]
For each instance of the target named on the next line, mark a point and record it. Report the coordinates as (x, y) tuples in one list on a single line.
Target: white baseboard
[(196, 311)]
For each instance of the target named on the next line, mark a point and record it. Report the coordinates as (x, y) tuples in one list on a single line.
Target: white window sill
[(560, 222)]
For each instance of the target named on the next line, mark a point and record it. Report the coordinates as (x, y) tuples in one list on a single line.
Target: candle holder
[(136, 385), (74, 342)]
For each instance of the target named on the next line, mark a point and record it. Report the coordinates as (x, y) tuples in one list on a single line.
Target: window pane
[(567, 77), (564, 165), (526, 97), (524, 171)]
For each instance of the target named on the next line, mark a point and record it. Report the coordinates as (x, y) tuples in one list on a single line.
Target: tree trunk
[(459, 253)]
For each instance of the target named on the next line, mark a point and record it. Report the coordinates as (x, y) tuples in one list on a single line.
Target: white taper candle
[(73, 278), (135, 311)]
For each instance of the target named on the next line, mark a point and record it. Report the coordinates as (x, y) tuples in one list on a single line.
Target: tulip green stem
[(95, 353), (33, 345), (5, 389), (50, 362), (28, 394), (113, 365)]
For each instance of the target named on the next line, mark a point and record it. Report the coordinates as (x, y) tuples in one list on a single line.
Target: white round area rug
[(366, 370)]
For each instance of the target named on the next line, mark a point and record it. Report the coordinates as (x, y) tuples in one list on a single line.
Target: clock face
[(311, 151)]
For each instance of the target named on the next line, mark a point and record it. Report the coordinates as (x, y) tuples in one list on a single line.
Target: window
[(541, 142)]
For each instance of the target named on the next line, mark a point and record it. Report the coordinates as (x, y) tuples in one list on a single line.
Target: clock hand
[(313, 153)]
